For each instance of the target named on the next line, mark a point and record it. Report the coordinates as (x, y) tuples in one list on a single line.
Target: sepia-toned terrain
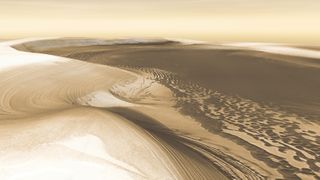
[(158, 109)]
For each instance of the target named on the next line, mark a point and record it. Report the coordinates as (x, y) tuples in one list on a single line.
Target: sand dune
[(55, 124), (253, 110), (157, 109)]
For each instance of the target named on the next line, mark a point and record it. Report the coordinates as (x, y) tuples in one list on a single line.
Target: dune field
[(77, 108)]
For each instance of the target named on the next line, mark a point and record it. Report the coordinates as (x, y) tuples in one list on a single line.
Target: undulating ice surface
[(57, 122), (156, 109), (279, 49)]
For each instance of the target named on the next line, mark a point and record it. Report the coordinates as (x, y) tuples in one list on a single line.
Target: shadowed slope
[(265, 102), (47, 130)]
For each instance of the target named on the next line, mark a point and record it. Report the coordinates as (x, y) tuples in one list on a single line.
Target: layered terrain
[(158, 109)]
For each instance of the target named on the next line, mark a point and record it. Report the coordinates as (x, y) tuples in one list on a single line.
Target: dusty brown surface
[(261, 77), (266, 104), (56, 122)]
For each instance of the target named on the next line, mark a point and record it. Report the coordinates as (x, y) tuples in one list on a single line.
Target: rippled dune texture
[(56, 123), (158, 109)]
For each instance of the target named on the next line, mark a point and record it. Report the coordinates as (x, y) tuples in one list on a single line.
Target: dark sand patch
[(258, 100), (260, 77)]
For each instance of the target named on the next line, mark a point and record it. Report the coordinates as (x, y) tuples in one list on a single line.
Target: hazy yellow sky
[(212, 20)]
